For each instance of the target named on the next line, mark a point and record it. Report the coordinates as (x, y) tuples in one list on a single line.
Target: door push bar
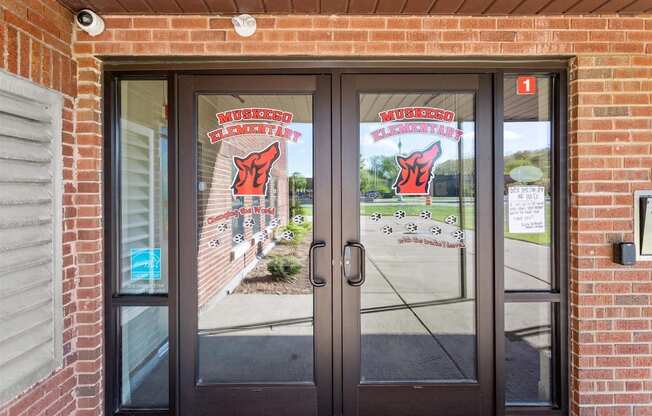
[(347, 262), (313, 246)]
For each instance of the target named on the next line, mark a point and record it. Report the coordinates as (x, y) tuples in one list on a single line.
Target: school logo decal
[(415, 171), (254, 171)]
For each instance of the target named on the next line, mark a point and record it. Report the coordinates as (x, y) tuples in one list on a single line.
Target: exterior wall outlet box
[(625, 253)]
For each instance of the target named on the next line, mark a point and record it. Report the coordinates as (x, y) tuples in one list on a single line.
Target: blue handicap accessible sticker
[(145, 264)]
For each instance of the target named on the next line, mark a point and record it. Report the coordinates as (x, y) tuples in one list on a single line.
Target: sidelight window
[(533, 290), (138, 304)]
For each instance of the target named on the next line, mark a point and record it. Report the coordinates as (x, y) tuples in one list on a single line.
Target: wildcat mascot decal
[(416, 171), (254, 171)]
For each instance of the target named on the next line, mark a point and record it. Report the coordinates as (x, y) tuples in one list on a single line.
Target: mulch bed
[(260, 281)]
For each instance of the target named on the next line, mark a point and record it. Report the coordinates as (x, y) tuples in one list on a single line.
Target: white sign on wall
[(526, 209)]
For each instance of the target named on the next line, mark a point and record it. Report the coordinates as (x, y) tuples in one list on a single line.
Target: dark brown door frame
[(172, 69), (298, 399), (463, 399)]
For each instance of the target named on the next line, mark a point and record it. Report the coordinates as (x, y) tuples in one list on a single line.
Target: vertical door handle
[(347, 261), (313, 281)]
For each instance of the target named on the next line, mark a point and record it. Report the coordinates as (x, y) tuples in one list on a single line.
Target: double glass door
[(336, 245)]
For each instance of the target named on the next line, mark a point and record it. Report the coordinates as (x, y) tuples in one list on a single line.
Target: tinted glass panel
[(144, 356), (417, 220), (527, 157), (255, 302), (143, 141), (528, 353)]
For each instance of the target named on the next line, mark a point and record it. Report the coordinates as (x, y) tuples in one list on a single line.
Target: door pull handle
[(315, 282), (361, 265)]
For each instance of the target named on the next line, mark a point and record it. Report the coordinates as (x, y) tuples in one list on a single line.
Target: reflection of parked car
[(369, 196)]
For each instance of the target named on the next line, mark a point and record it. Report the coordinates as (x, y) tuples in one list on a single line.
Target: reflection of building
[(221, 266)]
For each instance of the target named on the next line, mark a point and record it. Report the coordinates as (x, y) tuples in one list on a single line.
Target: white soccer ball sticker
[(222, 227), (214, 243), (238, 238), (376, 216), (426, 215), (275, 222), (249, 222), (387, 230), (411, 228), (400, 214), (435, 230), (451, 219), (287, 235), (458, 235), (297, 219)]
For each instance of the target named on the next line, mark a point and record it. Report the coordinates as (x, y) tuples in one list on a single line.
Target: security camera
[(90, 22)]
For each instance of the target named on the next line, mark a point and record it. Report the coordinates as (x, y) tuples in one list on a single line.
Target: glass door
[(255, 245), (418, 253)]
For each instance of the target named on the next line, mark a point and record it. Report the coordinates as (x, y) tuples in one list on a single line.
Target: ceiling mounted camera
[(90, 22)]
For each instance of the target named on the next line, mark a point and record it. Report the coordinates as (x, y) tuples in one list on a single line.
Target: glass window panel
[(528, 194), (417, 208), (144, 356), (255, 302), (528, 353), (143, 142)]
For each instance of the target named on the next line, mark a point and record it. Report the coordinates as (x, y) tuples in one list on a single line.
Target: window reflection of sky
[(526, 136), (519, 136), (414, 142)]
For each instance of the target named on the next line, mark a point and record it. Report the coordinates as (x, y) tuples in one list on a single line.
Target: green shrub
[(284, 267)]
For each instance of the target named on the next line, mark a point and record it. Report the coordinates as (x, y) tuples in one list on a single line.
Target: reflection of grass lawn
[(439, 212)]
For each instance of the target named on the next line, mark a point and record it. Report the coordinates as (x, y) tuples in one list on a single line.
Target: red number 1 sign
[(526, 85)]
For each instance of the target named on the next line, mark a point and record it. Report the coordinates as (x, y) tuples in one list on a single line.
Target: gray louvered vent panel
[(30, 234)]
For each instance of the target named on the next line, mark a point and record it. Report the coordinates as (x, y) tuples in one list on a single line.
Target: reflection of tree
[(378, 175), (539, 158), (298, 184)]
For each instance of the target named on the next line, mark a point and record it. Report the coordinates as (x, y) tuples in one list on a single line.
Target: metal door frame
[(172, 69), (255, 398), (449, 398)]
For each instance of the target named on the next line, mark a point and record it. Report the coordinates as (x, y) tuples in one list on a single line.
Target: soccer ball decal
[(376, 216), (451, 219), (399, 215), (435, 230), (411, 228), (214, 243), (222, 227), (249, 222), (238, 238), (426, 215), (275, 222), (458, 235), (297, 219), (387, 230), (287, 235), (262, 236)]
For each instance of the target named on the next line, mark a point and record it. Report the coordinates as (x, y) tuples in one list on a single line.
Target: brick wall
[(35, 43), (610, 139), (610, 135)]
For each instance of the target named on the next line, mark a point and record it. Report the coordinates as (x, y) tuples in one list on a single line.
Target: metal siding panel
[(361, 6), (639, 6), (613, 6), (475, 6), (446, 6), (280, 6), (503, 7), (390, 6)]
